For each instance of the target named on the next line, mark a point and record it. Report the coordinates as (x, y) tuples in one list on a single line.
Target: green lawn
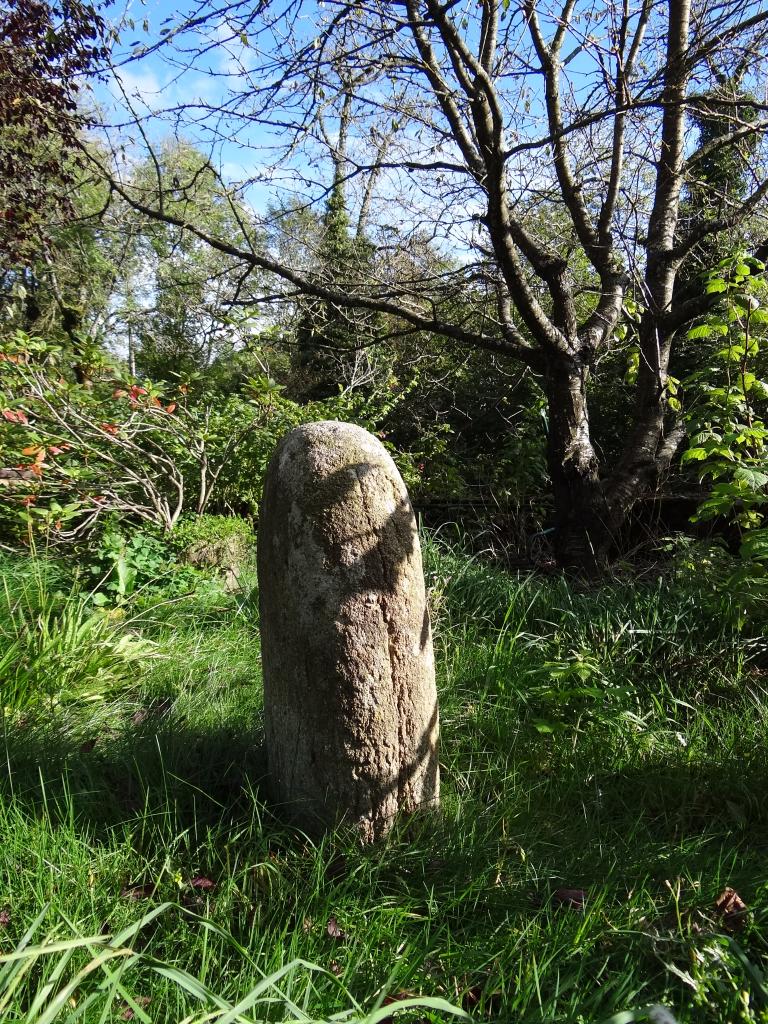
[(605, 771)]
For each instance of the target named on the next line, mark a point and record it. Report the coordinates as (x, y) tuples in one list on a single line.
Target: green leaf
[(418, 1003), (694, 455), (547, 728), (754, 478), (754, 545), (702, 331)]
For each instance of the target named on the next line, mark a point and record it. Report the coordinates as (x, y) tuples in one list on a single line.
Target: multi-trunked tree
[(553, 148)]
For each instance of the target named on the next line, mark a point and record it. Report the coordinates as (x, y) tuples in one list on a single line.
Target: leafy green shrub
[(728, 399), (208, 529), (123, 565)]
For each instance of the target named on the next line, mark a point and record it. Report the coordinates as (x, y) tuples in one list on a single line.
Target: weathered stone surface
[(349, 685), (229, 554)]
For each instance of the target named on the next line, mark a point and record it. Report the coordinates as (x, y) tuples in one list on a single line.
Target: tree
[(508, 112), (63, 292), (333, 342), (46, 48), (184, 292), (50, 266)]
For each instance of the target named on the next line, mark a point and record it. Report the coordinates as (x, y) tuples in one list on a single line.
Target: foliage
[(472, 437), (56, 647), (47, 47), (548, 171), (207, 529), (185, 305), (114, 445), (332, 344), (110, 960), (63, 292), (597, 849), (727, 398), (140, 564)]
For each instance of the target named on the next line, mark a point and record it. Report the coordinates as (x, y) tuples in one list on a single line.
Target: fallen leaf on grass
[(142, 1001), (336, 968), (574, 899), (201, 882), (5, 917), (138, 892), (732, 908), (334, 930)]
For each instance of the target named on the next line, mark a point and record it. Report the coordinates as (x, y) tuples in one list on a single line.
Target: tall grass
[(54, 644), (604, 772), (89, 978)]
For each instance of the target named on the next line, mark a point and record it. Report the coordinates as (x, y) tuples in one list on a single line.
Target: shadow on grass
[(507, 837), (149, 763), (478, 881), (155, 762)]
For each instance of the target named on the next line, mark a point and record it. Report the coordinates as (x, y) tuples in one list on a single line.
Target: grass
[(604, 779)]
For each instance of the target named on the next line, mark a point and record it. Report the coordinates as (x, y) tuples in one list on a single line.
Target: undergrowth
[(604, 777)]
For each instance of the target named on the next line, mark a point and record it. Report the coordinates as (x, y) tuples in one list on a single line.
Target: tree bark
[(582, 535)]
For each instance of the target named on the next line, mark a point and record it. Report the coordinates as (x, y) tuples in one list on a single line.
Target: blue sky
[(151, 85)]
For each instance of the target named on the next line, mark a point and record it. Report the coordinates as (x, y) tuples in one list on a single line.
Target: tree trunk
[(590, 509), (582, 525)]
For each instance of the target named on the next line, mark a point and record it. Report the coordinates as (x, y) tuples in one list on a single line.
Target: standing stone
[(350, 704)]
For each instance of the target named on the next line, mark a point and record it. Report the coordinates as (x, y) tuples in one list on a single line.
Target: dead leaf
[(336, 968), (334, 930), (138, 892), (201, 882), (573, 899), (732, 908), (5, 917), (142, 1001)]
